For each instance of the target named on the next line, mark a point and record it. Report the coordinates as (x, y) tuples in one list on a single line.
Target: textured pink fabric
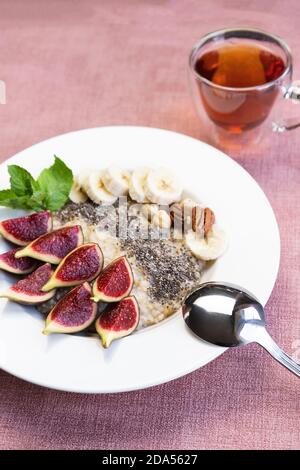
[(75, 64)]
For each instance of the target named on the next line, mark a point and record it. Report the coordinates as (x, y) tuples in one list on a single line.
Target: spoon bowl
[(228, 315)]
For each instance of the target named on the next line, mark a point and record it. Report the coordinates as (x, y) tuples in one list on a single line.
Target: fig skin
[(77, 298), (23, 230), (88, 251), (28, 290), (9, 263), (109, 325), (119, 267), (71, 235)]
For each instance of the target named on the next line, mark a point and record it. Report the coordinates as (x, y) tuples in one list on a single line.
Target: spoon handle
[(267, 342)]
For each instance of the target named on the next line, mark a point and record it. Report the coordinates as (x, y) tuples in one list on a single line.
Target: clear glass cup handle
[(287, 124)]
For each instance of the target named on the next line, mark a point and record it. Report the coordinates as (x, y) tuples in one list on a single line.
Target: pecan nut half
[(176, 215), (197, 218), (202, 220), (209, 220)]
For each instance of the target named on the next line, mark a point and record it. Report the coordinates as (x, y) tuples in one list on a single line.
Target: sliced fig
[(10, 263), (53, 247), (73, 313), (82, 264), (22, 230), (118, 320), (28, 290), (114, 282)]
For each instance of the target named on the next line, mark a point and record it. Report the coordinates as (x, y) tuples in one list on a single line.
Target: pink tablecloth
[(74, 64)]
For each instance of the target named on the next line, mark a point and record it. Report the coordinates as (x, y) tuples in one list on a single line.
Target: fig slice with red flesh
[(53, 247), (114, 282), (28, 290), (118, 320), (73, 313), (81, 265), (24, 265), (23, 230)]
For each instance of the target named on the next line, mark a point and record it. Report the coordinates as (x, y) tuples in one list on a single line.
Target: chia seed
[(171, 271), (166, 263), (88, 211)]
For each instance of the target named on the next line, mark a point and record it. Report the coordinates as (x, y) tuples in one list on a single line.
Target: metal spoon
[(227, 315)]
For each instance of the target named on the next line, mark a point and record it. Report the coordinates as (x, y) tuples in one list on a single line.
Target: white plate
[(163, 352)]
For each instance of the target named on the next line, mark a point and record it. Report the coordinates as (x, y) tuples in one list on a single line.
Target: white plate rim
[(214, 351)]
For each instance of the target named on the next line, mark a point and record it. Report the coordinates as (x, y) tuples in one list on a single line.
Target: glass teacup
[(238, 76)]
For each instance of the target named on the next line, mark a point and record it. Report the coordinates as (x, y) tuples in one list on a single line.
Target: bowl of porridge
[(96, 262)]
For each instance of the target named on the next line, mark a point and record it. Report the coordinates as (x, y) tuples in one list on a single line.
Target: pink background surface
[(75, 64)]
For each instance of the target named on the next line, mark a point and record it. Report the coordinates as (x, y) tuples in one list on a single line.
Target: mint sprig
[(49, 191)]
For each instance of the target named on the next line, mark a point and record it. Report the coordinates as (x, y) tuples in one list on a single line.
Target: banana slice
[(161, 219), (137, 184), (158, 217), (116, 180), (208, 248), (76, 194), (149, 211), (83, 175), (162, 186), (94, 187), (188, 203)]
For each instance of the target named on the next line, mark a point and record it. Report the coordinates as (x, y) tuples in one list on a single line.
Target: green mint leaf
[(9, 199), (55, 183), (21, 181), (50, 191), (6, 194), (36, 201)]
